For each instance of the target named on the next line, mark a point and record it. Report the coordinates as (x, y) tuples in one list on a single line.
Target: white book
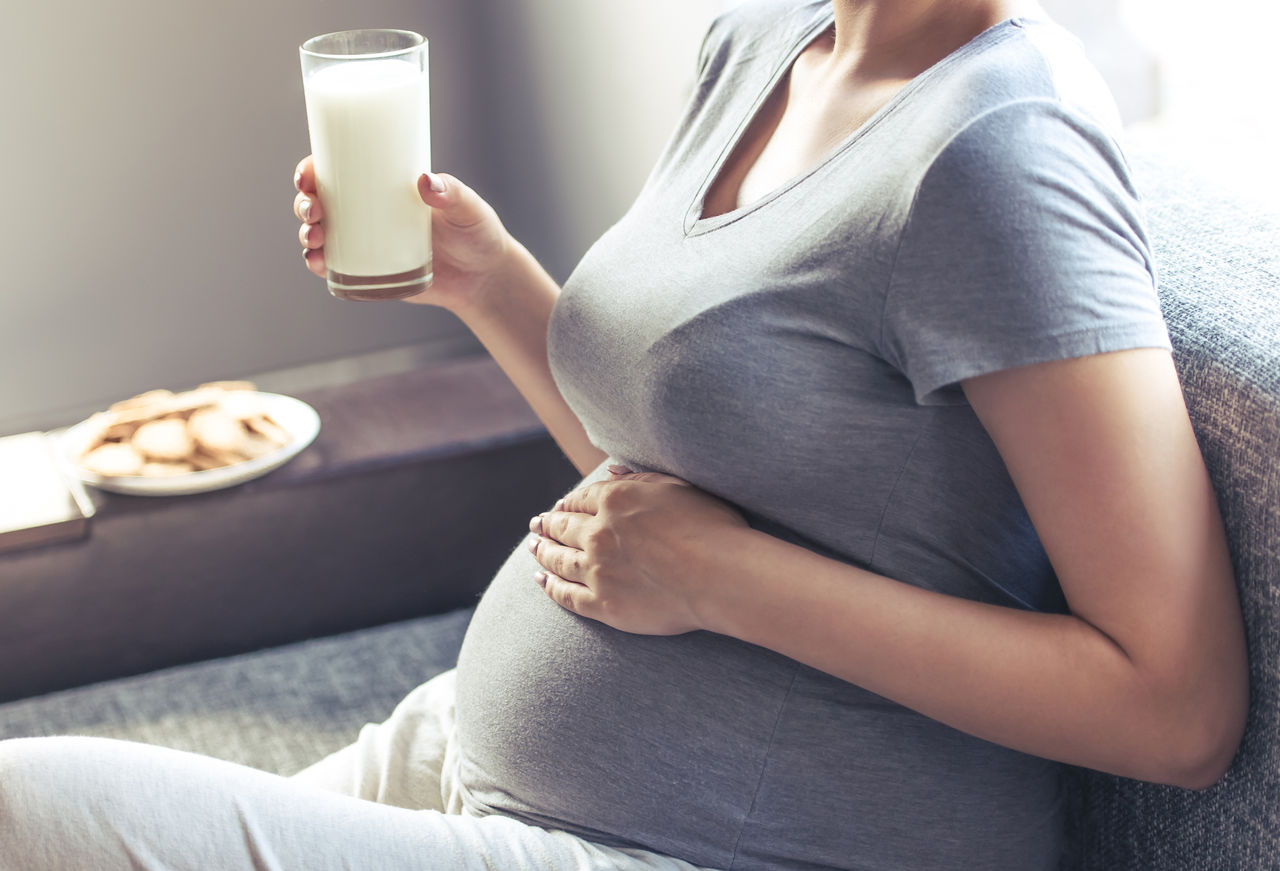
[(39, 504)]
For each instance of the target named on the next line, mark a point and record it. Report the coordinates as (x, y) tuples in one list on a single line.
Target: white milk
[(371, 138)]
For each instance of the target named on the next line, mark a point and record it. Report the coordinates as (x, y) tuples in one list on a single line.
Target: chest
[(742, 346), (797, 126)]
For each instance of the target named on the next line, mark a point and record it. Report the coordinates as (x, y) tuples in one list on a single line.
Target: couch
[(323, 556)]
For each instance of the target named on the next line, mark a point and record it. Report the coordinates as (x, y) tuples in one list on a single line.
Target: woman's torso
[(745, 353)]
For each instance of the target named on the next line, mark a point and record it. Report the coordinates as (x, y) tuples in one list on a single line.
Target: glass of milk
[(368, 112)]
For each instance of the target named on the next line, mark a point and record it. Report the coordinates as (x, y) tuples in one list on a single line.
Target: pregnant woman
[(891, 503)]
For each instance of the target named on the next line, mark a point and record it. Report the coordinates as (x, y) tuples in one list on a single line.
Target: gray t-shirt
[(800, 358)]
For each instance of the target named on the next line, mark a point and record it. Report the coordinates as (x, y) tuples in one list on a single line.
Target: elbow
[(1206, 746), (1205, 764), (1197, 707), (1201, 773)]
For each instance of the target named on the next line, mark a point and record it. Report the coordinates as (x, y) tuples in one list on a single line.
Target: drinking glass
[(368, 113)]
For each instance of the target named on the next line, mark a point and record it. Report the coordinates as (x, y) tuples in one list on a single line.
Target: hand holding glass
[(368, 111)]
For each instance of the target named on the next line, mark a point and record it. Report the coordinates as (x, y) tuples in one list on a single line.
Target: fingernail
[(305, 210), (531, 544), (559, 506), (435, 182), (619, 470), (541, 579), (297, 179), (535, 525)]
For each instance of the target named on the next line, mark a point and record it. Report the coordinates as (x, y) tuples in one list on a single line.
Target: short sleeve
[(1024, 244)]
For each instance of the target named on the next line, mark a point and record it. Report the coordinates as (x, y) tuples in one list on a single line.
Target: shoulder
[(1027, 118), (1030, 186), (1023, 86), (1024, 238), (1024, 60), (1030, 149), (1017, 113)]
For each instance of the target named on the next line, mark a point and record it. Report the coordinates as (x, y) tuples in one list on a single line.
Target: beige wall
[(145, 163), (611, 80)]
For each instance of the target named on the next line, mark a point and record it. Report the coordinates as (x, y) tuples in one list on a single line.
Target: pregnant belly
[(626, 739), (715, 751)]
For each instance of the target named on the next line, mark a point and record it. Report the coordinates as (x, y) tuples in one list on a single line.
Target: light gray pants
[(385, 803)]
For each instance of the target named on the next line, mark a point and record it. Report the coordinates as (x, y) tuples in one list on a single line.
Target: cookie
[(113, 459), (204, 460), (165, 439), (162, 433), (269, 429), (255, 446), (150, 399), (98, 429), (216, 431), (134, 415), (242, 404)]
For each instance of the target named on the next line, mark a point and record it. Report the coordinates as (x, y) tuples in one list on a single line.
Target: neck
[(888, 37)]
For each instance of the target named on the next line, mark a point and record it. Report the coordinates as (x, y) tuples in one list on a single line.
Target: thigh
[(399, 761), (69, 803)]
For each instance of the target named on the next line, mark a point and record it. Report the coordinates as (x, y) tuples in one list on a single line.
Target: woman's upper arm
[(1105, 460)]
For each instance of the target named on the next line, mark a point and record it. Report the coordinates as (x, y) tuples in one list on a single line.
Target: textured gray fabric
[(1219, 268), (278, 710), (798, 356)]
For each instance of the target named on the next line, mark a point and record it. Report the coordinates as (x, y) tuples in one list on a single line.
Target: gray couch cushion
[(1219, 272), (278, 709)]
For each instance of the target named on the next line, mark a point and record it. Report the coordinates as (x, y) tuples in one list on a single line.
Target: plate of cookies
[(162, 443)]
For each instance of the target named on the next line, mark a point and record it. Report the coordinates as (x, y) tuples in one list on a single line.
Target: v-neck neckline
[(696, 223)]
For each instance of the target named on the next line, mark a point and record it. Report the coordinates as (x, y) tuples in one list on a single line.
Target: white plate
[(295, 416)]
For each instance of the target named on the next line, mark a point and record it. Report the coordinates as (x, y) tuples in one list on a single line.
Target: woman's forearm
[(510, 319), (1050, 685)]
